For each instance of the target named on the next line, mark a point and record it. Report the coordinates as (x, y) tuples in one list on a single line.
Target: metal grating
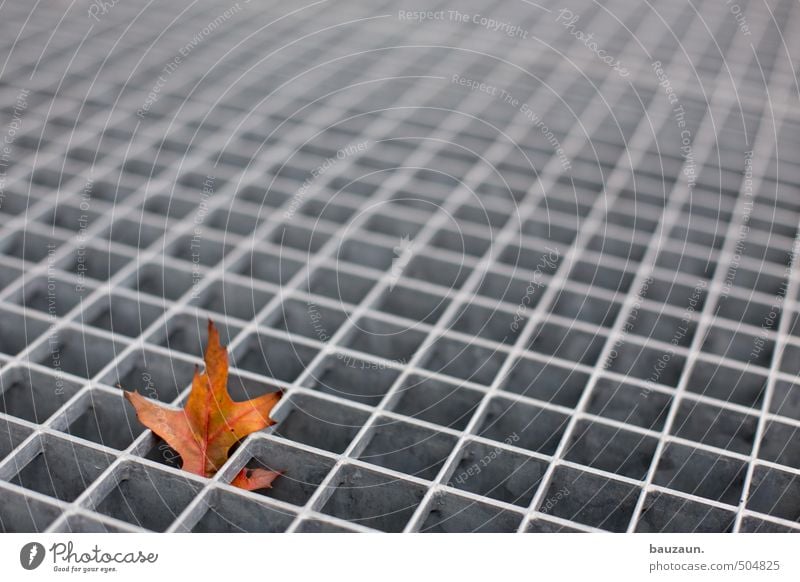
[(516, 306)]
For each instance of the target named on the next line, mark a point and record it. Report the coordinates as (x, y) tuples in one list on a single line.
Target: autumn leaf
[(211, 422), (252, 479)]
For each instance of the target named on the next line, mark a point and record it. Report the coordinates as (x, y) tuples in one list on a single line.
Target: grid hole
[(437, 401), (407, 448), (700, 473), (229, 513), (372, 499), (61, 469), (146, 497), (449, 513), (319, 423)]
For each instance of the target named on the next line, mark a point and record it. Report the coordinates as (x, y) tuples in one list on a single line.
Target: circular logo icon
[(31, 555)]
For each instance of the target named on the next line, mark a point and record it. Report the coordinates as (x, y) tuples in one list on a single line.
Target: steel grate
[(504, 286)]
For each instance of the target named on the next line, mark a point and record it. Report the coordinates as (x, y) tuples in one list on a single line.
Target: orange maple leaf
[(211, 422)]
